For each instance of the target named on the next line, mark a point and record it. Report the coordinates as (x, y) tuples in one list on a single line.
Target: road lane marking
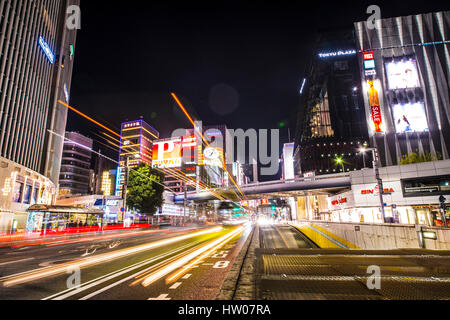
[(113, 274), (175, 285), (100, 258), (191, 259), (187, 276), (16, 261), (162, 297)]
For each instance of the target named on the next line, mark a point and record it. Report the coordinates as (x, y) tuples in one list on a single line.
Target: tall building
[(331, 119), (136, 147), (36, 60), (405, 73), (76, 173)]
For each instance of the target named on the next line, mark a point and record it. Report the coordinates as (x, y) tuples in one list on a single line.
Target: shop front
[(362, 205), (59, 219)]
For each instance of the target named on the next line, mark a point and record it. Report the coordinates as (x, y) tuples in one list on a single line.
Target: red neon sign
[(375, 107), (189, 142), (340, 201), (368, 55)]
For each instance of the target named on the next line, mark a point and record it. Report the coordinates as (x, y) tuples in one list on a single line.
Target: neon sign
[(375, 107), (337, 53), (303, 86), (46, 48), (368, 55), (66, 93)]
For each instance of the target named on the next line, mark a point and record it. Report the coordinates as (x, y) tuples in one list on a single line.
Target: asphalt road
[(117, 267)]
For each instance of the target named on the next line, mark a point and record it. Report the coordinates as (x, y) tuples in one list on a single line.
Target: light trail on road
[(208, 248), (45, 272)]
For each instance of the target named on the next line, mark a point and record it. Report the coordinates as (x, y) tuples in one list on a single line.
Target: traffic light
[(442, 201)]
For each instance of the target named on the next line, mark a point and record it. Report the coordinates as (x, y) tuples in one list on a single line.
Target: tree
[(144, 194), (419, 158)]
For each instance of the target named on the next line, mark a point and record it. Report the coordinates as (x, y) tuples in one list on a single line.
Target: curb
[(230, 285)]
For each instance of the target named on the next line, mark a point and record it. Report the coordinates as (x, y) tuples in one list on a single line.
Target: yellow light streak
[(101, 258), (205, 141), (186, 268), (184, 260)]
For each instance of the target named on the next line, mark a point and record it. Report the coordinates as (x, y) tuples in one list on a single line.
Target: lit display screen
[(369, 64), (167, 154), (288, 153), (402, 74), (410, 118), (46, 48)]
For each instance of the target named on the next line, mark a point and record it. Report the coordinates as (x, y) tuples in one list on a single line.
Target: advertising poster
[(375, 107), (402, 74), (167, 153), (410, 118)]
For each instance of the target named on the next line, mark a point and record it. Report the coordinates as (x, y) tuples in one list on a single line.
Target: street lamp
[(340, 161), (125, 185), (363, 151), (377, 176)]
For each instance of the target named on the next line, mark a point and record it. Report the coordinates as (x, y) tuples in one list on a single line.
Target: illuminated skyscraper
[(404, 67), (76, 165), (331, 118), (36, 54), (136, 147), (36, 60)]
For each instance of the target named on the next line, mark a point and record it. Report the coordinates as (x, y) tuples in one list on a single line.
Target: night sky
[(236, 64)]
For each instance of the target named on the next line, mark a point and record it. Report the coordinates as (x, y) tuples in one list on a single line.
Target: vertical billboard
[(375, 107), (288, 163), (167, 153)]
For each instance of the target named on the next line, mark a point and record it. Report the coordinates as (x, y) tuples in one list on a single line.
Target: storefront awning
[(64, 209)]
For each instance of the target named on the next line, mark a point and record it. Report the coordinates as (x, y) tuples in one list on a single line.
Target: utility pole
[(376, 171), (443, 210), (124, 191), (379, 180), (184, 201)]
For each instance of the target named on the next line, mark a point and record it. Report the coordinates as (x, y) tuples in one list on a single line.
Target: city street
[(224, 153), (115, 269)]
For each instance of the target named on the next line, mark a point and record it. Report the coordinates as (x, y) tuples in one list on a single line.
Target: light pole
[(377, 177), (340, 161), (363, 151), (125, 185)]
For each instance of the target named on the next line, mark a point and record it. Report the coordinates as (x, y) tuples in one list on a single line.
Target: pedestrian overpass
[(319, 185)]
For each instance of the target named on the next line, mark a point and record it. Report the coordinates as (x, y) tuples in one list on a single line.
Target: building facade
[(36, 61), (136, 147), (331, 119), (411, 196), (76, 173), (404, 65)]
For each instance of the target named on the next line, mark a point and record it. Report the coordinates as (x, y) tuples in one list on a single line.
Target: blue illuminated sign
[(46, 48), (337, 53), (369, 64)]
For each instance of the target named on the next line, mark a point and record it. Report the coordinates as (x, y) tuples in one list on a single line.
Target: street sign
[(122, 209)]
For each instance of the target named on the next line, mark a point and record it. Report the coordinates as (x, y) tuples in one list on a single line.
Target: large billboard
[(288, 161), (375, 107), (213, 157), (167, 153), (410, 117), (402, 74)]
